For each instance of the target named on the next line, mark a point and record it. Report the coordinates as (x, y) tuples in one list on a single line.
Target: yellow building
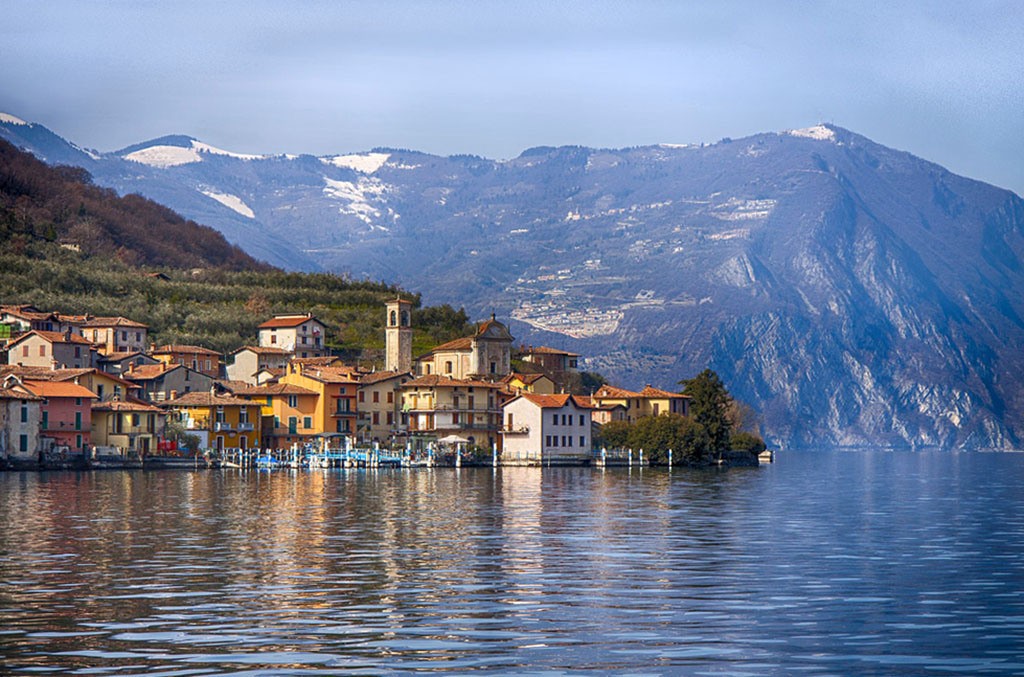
[(438, 407), (519, 383), (133, 428), (220, 421), (648, 402), (335, 388), (289, 413)]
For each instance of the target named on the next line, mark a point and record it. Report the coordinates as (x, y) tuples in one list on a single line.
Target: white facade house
[(543, 429)]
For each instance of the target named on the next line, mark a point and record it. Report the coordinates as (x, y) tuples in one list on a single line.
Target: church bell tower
[(398, 336)]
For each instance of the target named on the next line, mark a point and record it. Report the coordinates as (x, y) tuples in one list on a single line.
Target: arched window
[(394, 318), (405, 318), (448, 367)]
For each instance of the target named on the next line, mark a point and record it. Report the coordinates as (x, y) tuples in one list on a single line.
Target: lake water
[(830, 563)]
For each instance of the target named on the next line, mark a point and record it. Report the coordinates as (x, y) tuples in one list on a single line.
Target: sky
[(941, 79)]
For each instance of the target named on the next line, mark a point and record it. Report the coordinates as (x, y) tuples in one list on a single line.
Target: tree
[(657, 434), (709, 407), (614, 434)]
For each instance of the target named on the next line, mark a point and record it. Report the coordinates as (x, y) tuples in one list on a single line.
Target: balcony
[(514, 430), (222, 427), (246, 427)]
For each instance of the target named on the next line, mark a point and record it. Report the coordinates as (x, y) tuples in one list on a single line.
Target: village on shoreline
[(84, 391)]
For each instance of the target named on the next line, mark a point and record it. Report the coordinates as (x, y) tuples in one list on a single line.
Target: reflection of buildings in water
[(522, 535)]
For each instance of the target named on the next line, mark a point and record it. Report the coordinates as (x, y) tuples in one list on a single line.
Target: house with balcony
[(438, 406), (219, 421), (20, 422), (301, 335), (197, 358), (336, 396), (66, 415), (288, 413), (546, 429), (379, 401), (51, 350), (129, 427)]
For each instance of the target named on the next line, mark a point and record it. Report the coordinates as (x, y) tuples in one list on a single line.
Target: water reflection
[(827, 564)]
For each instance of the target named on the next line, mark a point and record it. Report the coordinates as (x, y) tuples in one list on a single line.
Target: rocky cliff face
[(854, 294)]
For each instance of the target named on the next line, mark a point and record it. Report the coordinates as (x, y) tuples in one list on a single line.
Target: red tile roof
[(53, 337), (147, 372), (130, 405), (273, 389), (207, 399), (436, 380), (199, 350), (113, 322), (283, 321), (379, 376), (50, 389), (555, 401), (544, 350), (262, 350)]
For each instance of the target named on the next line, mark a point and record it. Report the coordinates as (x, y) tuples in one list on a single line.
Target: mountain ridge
[(855, 293)]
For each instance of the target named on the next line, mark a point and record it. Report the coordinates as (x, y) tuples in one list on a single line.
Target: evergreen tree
[(709, 408)]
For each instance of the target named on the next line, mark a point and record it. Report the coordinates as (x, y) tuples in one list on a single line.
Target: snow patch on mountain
[(232, 202), (366, 163), (213, 150), (9, 119), (357, 195), (818, 132), (163, 157)]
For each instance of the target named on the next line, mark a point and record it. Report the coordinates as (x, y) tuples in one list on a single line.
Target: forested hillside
[(40, 203)]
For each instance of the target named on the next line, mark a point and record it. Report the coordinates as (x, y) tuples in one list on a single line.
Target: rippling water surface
[(823, 563)]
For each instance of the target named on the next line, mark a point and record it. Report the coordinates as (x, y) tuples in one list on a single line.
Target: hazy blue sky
[(944, 80)]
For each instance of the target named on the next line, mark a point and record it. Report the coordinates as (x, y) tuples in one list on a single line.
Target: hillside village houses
[(83, 385)]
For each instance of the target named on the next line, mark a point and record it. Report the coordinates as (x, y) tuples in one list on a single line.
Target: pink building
[(66, 414)]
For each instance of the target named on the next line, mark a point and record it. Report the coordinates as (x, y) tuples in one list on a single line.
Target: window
[(219, 416), (24, 350), (23, 443), (376, 418), (547, 440), (293, 424), (494, 367), (307, 422), (78, 351), (362, 396), (510, 420), (566, 444), (24, 413), (78, 420), (554, 419), (78, 401), (554, 440), (391, 397), (581, 420), (135, 420), (42, 350), (448, 366), (394, 319), (391, 417), (138, 336), (78, 441), (46, 420), (124, 336), (376, 397), (583, 441), (293, 401)]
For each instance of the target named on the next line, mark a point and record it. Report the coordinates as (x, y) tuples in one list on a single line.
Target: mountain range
[(851, 293)]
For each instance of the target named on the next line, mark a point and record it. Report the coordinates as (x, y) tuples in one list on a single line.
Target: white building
[(543, 429)]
